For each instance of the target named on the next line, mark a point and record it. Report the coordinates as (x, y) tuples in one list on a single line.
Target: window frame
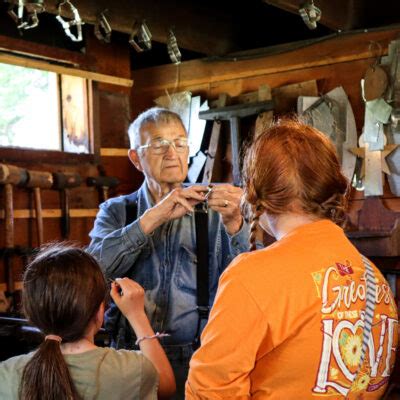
[(17, 51), (60, 118)]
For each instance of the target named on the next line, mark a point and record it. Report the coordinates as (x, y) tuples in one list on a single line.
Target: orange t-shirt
[(287, 323)]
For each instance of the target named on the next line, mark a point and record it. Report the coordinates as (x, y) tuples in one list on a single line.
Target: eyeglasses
[(161, 146)]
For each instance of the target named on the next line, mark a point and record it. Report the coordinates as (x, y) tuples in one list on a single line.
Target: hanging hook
[(310, 14), (373, 44), (102, 28), (173, 49), (32, 8), (77, 21), (140, 38)]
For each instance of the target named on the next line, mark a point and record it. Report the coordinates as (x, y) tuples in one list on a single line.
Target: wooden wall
[(342, 60), (339, 61), (111, 110)]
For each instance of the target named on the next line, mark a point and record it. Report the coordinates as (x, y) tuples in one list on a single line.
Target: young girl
[(289, 320), (64, 295)]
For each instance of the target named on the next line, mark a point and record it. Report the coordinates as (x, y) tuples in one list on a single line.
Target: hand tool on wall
[(9, 176), (103, 183), (214, 140), (63, 182), (233, 114), (38, 180)]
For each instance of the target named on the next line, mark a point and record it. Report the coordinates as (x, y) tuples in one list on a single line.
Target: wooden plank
[(108, 152), (53, 213), (236, 110), (285, 97), (19, 154), (344, 48), (26, 48), (59, 69), (352, 12), (264, 120), (202, 34), (17, 286), (328, 77)]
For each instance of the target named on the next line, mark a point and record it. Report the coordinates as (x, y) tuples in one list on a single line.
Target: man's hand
[(225, 199), (177, 203)]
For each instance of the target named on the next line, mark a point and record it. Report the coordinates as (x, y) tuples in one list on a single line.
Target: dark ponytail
[(63, 290), (46, 375)]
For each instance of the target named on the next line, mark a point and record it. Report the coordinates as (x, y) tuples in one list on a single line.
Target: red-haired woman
[(289, 321)]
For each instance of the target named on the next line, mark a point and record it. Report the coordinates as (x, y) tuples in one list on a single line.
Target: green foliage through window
[(31, 113)]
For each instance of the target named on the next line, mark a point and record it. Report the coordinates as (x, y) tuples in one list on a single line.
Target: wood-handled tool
[(38, 180), (63, 182), (10, 176), (103, 183), (233, 114)]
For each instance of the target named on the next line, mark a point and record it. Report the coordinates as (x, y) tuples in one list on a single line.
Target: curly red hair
[(292, 166)]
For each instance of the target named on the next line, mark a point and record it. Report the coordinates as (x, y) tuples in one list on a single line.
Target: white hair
[(154, 115)]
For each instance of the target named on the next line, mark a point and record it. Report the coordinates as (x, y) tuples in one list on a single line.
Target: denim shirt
[(164, 262)]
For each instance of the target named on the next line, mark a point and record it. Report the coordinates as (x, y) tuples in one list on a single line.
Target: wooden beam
[(343, 48), (109, 152), (17, 286), (53, 213), (41, 51), (46, 66), (203, 27), (338, 14), (237, 110)]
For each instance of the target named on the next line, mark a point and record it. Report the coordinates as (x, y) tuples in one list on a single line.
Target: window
[(43, 110)]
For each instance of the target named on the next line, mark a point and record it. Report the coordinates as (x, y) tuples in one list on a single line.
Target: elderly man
[(150, 236)]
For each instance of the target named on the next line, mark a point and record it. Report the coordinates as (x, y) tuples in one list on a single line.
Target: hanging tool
[(310, 14), (38, 180), (77, 21), (140, 38), (102, 28), (103, 183), (214, 140), (63, 182), (32, 8), (9, 176), (233, 114), (173, 49)]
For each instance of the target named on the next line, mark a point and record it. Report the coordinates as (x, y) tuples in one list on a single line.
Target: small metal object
[(77, 21), (310, 14), (102, 28), (34, 5), (140, 38), (209, 190), (32, 8), (173, 49), (395, 119)]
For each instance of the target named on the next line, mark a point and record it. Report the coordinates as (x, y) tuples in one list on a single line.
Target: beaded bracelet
[(157, 335)]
